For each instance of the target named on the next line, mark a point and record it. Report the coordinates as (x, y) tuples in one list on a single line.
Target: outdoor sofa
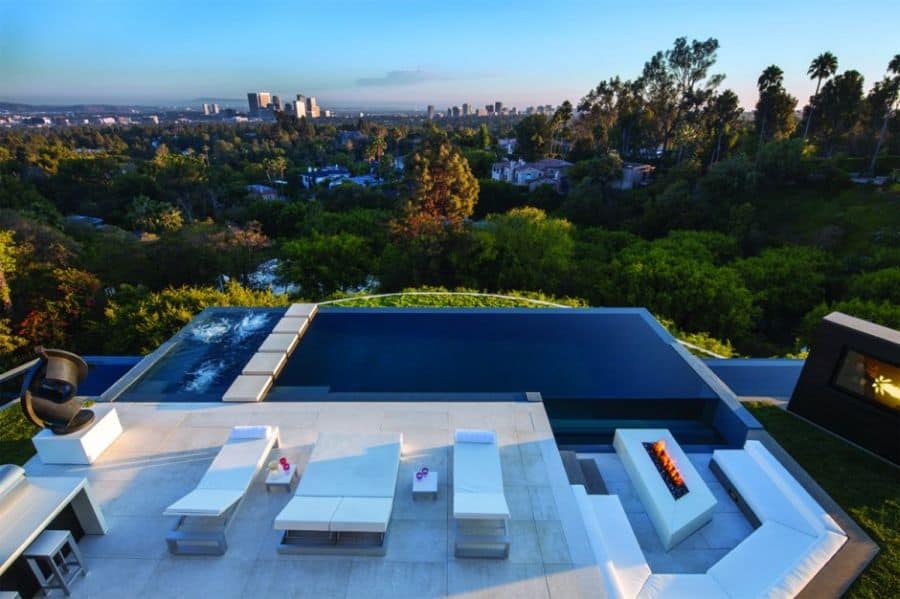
[(793, 540)]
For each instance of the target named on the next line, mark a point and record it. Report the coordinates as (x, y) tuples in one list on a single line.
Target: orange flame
[(669, 467)]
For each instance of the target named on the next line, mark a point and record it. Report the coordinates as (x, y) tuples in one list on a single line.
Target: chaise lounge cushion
[(352, 465), (480, 506), (308, 513), (478, 482), (362, 514), (467, 435), (236, 464), (682, 586), (204, 502), (250, 432)]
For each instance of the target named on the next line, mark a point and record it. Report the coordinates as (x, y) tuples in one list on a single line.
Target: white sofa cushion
[(682, 586), (468, 435), (759, 566), (810, 563), (352, 465), (616, 549), (362, 514), (802, 500), (628, 563), (307, 513)]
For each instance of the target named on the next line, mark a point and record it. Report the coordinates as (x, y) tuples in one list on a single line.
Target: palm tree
[(893, 92), (725, 111), (770, 81), (822, 67)]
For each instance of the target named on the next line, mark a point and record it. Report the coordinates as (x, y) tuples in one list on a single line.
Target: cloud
[(407, 77)]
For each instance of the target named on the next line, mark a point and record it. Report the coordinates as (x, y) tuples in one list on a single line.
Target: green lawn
[(15, 436), (867, 488)]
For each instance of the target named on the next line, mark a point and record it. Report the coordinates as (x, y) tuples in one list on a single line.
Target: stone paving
[(165, 449)]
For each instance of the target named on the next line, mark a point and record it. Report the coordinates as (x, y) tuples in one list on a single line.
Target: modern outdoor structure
[(350, 452), (850, 384)]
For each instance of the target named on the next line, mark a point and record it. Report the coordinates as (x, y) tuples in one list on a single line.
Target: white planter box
[(84, 446)]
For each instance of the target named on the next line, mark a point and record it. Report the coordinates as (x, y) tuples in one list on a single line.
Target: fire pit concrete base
[(673, 519)]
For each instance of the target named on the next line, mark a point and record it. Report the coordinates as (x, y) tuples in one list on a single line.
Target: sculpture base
[(83, 446), (82, 419)]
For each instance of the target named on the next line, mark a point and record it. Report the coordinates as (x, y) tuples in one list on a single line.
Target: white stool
[(48, 548)]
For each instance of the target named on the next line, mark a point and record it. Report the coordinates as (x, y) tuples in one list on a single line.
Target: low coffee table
[(280, 478), (673, 519), (427, 485)]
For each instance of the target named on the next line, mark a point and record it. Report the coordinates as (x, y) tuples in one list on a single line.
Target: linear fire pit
[(675, 496)]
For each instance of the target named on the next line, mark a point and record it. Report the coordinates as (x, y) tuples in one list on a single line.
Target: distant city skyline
[(367, 54)]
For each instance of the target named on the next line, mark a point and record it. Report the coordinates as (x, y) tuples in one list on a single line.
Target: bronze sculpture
[(48, 392)]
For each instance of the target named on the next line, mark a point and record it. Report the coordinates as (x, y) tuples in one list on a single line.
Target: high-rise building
[(205, 109), (548, 108), (449, 112), (253, 101), (498, 107), (258, 101), (430, 111), (465, 109), (276, 102), (490, 109), (456, 111), (299, 109), (215, 109), (312, 109)]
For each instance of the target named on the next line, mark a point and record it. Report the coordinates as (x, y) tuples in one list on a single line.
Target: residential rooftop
[(553, 385)]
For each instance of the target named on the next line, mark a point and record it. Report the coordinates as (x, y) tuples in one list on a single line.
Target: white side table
[(427, 485), (280, 478), (84, 446)]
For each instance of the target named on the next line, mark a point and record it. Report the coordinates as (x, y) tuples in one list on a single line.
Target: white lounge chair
[(344, 501), (205, 513), (479, 505)]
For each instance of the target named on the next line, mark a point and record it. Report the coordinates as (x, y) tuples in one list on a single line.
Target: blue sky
[(405, 53)]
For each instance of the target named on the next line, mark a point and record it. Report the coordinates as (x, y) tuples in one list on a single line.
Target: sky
[(410, 53)]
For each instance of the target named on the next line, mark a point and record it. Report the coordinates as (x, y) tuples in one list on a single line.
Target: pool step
[(264, 366)]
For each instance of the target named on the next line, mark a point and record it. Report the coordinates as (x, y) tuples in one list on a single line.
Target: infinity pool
[(561, 353)]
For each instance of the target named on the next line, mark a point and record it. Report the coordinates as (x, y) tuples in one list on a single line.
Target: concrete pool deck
[(166, 448)]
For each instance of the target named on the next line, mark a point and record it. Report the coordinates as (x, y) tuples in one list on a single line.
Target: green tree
[(878, 285), (775, 107), (324, 264), (822, 67), (137, 321), (376, 149), (885, 313), (533, 252), (724, 112), (840, 106), (442, 189), (275, 168), (786, 283), (533, 137), (154, 217), (885, 96)]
